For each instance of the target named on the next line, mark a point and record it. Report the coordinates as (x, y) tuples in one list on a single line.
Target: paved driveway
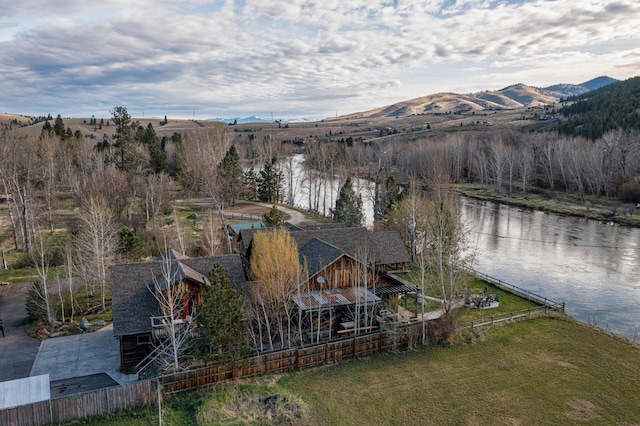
[(17, 350), (60, 357), (81, 355)]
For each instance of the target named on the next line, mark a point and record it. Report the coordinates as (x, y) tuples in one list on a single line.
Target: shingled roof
[(318, 254), (134, 304), (380, 247)]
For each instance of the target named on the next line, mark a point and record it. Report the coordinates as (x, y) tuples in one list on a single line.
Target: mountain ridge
[(515, 96)]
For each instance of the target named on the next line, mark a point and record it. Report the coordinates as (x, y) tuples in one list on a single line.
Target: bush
[(630, 192), (23, 261)]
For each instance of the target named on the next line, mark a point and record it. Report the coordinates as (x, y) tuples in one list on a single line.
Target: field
[(545, 371)]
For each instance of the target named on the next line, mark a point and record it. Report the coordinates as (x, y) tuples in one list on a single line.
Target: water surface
[(593, 267)]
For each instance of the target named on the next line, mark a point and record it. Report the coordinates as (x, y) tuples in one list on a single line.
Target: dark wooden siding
[(132, 350)]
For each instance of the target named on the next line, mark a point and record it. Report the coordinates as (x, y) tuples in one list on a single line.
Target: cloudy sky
[(297, 58)]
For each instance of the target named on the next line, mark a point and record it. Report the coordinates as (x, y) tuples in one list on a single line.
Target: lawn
[(545, 371)]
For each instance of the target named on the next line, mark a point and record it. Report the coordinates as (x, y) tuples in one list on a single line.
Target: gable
[(133, 302)]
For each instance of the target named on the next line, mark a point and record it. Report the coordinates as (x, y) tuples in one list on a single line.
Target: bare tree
[(169, 290), (446, 248), (97, 242), (41, 260)]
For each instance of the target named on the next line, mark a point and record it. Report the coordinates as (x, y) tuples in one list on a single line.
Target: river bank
[(601, 210)]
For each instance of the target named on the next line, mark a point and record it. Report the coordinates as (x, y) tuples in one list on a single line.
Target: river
[(321, 192), (593, 267)]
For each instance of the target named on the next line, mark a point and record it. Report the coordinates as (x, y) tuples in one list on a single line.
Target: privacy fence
[(141, 393), (103, 401), (292, 359)]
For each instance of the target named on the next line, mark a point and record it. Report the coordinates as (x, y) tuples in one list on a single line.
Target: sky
[(297, 58)]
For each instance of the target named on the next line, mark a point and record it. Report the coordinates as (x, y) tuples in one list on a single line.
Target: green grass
[(508, 302), (545, 371)]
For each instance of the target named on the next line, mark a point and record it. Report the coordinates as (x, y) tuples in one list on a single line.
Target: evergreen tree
[(124, 139), (250, 184), (230, 174), (129, 244), (273, 218), (221, 318), (348, 206), (270, 182), (47, 130), (36, 306), (58, 127)]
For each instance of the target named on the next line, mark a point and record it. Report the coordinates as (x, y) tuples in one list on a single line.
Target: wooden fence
[(292, 359), (518, 291), (103, 401), (495, 320)]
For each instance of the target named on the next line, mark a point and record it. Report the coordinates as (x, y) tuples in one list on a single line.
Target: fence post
[(326, 353), (354, 347)]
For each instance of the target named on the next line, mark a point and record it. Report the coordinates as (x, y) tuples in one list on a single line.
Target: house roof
[(380, 247), (318, 254), (393, 284), (132, 285), (323, 299), (237, 227)]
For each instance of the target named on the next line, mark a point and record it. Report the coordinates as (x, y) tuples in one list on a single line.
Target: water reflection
[(593, 267)]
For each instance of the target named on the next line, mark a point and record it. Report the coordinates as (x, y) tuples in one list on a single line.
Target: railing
[(518, 291), (509, 317)]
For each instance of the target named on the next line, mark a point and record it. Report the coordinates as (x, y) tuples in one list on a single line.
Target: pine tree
[(273, 218), (230, 173), (221, 318), (348, 206), (270, 182)]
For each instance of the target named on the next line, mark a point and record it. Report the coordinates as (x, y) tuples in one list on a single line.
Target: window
[(144, 339)]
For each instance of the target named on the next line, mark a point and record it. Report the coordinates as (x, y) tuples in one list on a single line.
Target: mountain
[(613, 106), (238, 120), (511, 97), (567, 90)]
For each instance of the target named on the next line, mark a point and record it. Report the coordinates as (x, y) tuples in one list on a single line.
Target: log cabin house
[(350, 275), (139, 318)]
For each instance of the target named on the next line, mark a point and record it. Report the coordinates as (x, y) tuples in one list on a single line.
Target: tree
[(169, 291), (97, 242), (270, 182), (130, 246), (445, 244), (348, 206), (230, 174), (124, 140), (42, 261), (275, 268), (273, 218), (58, 127), (221, 319), (38, 302)]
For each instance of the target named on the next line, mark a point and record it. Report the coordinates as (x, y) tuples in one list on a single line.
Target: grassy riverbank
[(542, 371), (561, 203)]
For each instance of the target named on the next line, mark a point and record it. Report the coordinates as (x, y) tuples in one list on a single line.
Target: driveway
[(17, 350), (61, 357), (81, 355)]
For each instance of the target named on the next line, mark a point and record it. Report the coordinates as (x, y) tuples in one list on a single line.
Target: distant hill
[(568, 90), (511, 97), (594, 113), (238, 120)]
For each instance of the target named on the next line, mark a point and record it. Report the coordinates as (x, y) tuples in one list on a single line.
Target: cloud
[(227, 56)]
